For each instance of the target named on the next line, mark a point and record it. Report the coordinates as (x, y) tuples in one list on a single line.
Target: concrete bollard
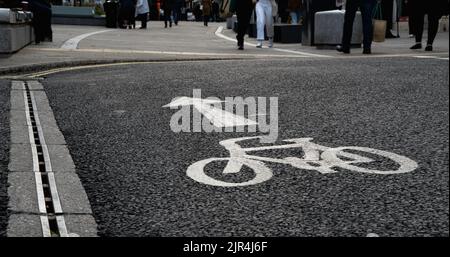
[(15, 30), (14, 37), (329, 26)]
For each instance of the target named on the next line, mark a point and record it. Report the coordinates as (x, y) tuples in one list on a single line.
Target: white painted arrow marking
[(217, 116)]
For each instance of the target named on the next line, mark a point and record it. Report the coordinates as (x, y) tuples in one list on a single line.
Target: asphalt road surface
[(133, 167)]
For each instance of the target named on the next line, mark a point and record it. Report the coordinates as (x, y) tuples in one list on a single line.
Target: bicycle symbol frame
[(316, 157)]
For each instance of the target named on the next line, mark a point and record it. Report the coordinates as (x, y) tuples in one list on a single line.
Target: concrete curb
[(18, 70)]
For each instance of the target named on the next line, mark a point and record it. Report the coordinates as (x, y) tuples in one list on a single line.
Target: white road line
[(37, 175), (120, 51), (221, 35), (431, 57), (62, 199), (45, 226), (73, 42)]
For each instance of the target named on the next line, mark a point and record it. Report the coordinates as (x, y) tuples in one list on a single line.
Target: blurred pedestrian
[(264, 18), (366, 7), (435, 10), (197, 11), (168, 6), (244, 10), (142, 11), (295, 11), (215, 10), (207, 8), (408, 12), (127, 14), (177, 10), (42, 15), (387, 9)]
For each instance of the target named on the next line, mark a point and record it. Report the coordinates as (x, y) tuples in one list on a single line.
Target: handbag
[(379, 25)]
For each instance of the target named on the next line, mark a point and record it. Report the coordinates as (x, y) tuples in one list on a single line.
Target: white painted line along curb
[(221, 35), (73, 42), (47, 202)]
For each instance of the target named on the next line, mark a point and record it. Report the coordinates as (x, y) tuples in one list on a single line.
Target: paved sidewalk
[(188, 41)]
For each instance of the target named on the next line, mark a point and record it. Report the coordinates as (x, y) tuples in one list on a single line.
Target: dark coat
[(432, 7), (207, 7), (168, 5)]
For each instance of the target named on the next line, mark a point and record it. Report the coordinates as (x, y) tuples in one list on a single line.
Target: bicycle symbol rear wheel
[(197, 171)]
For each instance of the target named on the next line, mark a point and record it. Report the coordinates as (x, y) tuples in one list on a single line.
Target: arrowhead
[(184, 100)]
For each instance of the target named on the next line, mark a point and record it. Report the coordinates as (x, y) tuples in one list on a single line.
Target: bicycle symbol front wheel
[(197, 171)]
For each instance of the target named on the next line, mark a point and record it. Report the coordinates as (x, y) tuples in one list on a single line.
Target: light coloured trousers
[(264, 17)]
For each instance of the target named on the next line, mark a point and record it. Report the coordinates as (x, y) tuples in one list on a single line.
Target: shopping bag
[(227, 8), (379, 25)]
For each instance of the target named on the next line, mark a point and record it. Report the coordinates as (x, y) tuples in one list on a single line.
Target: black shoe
[(240, 45), (390, 35), (342, 49), (367, 51), (416, 46), (429, 48)]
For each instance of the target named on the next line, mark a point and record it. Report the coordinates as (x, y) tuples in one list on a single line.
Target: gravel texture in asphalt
[(5, 87), (133, 167)]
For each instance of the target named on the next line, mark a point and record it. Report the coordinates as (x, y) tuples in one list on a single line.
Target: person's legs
[(433, 26), (143, 18), (260, 21), (411, 25), (166, 17), (244, 10), (205, 20), (367, 7), (36, 28), (300, 16), (269, 22), (293, 17), (387, 7), (176, 15), (350, 12), (419, 17)]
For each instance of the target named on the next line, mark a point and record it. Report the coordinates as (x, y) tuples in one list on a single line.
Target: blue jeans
[(351, 7), (296, 16)]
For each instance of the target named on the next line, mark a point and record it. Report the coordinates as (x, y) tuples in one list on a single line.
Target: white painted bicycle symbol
[(316, 157)]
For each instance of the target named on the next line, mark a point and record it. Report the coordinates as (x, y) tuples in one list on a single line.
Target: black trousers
[(143, 18), (387, 7), (167, 18), (244, 10), (351, 7), (205, 20), (418, 23)]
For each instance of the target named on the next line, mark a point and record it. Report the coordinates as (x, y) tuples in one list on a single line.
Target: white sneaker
[(271, 42), (259, 44)]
